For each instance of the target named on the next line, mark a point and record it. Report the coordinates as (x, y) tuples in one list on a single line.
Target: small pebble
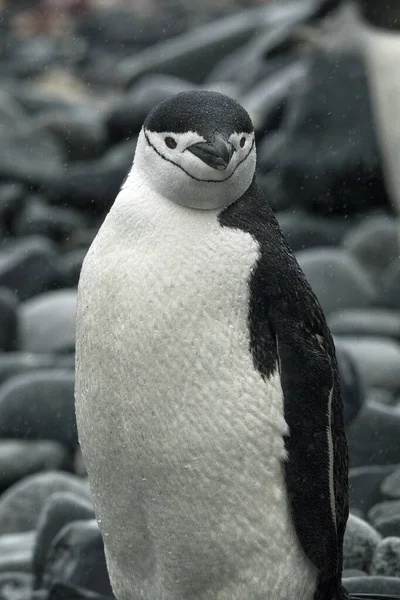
[(373, 322), (390, 486), (39, 405), (386, 559), (47, 323), (59, 509), (21, 504), (16, 550), (389, 527), (360, 541), (337, 279), (384, 510)]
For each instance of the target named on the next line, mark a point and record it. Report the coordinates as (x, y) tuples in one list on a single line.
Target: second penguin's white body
[(182, 437)]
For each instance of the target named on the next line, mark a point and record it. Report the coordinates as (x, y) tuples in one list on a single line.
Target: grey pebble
[(27, 266), (47, 322), (59, 509), (16, 550), (39, 405), (360, 541), (389, 527), (372, 322), (19, 458), (386, 559), (374, 242), (21, 504), (377, 360), (337, 279), (390, 487), (372, 585), (373, 437), (384, 510)]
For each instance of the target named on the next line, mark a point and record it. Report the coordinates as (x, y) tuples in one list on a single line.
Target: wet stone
[(389, 527), (39, 405), (15, 585), (373, 438), (376, 359), (384, 510), (60, 509), (360, 541), (47, 323), (21, 504), (27, 266), (19, 458), (372, 585), (77, 555), (372, 322), (390, 486), (386, 559), (337, 279), (364, 486), (16, 551), (374, 242)]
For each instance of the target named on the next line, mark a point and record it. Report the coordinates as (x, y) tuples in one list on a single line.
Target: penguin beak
[(216, 153)]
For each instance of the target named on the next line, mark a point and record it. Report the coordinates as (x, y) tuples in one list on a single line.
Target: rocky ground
[(76, 81)]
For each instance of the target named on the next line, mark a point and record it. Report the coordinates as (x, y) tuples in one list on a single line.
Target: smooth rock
[(390, 486), (39, 405), (67, 591), (19, 458), (8, 320), (60, 509), (47, 323), (372, 322), (381, 396), (125, 117), (15, 585), (12, 199), (27, 266), (384, 510), (336, 278), (30, 157), (79, 464), (372, 585), (93, 185), (21, 504), (353, 573), (344, 175), (351, 385), (266, 101), (17, 363), (16, 551), (81, 130), (386, 559), (360, 541), (193, 54), (364, 486), (374, 242), (303, 230), (377, 360), (389, 527), (40, 219), (390, 293), (373, 438), (77, 556), (69, 267)]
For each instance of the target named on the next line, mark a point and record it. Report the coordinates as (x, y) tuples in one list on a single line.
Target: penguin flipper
[(315, 465)]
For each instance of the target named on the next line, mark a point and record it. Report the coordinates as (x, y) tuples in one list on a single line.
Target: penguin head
[(197, 149)]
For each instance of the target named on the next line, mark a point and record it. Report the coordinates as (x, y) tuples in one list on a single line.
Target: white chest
[(182, 437)]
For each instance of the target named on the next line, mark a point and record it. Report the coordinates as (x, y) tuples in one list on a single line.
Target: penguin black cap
[(199, 112)]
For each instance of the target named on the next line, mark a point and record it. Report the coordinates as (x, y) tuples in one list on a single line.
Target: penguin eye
[(242, 142), (170, 142)]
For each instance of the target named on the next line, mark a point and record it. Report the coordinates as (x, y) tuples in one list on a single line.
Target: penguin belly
[(181, 436)]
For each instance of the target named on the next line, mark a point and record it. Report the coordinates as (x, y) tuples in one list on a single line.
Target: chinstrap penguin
[(207, 389)]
